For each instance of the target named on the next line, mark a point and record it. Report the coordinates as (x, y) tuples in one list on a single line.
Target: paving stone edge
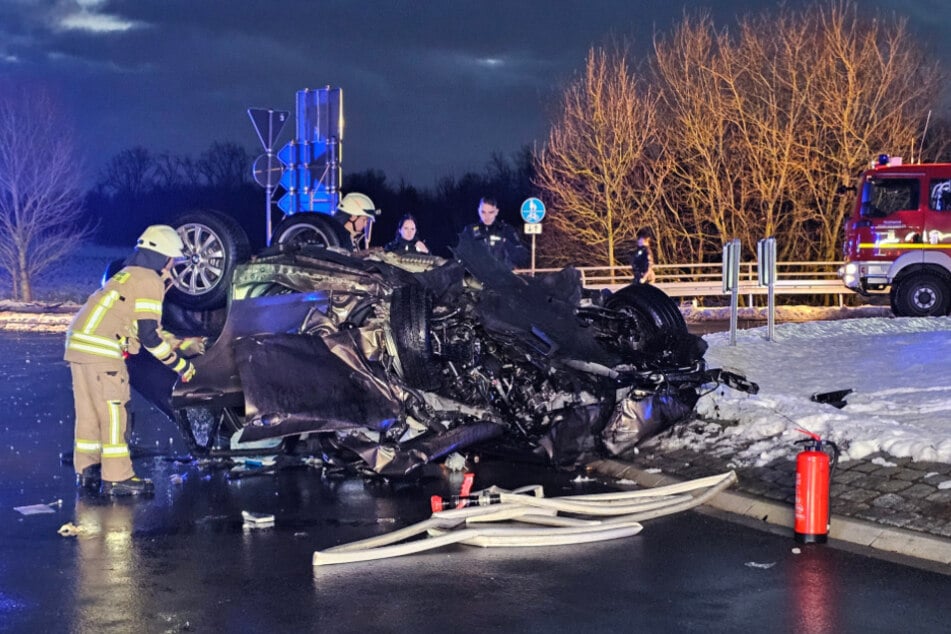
[(847, 529)]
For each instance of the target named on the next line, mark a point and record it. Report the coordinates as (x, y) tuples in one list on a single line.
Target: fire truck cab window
[(941, 194), (885, 196)]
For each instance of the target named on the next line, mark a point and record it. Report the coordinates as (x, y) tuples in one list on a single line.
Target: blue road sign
[(533, 210)]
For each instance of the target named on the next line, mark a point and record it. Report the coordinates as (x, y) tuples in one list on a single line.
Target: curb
[(846, 529)]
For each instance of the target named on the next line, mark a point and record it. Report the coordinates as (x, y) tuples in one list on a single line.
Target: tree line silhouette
[(137, 187)]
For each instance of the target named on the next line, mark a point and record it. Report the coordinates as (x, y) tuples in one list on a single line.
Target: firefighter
[(361, 213), (500, 237), (119, 318)]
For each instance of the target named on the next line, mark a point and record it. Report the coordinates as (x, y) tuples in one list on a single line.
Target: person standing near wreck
[(500, 237), (116, 321), (642, 261), (406, 240)]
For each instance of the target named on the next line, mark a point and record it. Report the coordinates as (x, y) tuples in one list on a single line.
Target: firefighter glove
[(187, 373), (193, 346)]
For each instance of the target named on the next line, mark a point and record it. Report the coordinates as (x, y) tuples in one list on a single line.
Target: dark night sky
[(431, 88)]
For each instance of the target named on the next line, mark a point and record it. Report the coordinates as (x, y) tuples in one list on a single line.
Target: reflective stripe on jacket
[(106, 325)]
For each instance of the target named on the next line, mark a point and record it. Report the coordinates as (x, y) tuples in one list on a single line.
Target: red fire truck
[(899, 236)]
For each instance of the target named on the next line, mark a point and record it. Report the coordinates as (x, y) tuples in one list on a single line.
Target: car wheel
[(311, 230), (204, 428), (922, 295), (652, 305), (214, 245), (410, 309)]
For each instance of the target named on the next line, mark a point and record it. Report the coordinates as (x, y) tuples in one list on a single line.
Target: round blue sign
[(533, 210)]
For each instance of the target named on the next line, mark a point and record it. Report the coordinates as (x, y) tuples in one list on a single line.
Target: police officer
[(116, 320), (642, 260), (500, 237), (406, 240)]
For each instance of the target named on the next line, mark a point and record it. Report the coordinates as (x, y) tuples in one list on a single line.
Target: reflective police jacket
[(123, 315)]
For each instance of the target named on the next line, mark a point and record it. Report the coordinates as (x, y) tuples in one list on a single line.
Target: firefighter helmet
[(162, 239), (355, 204)]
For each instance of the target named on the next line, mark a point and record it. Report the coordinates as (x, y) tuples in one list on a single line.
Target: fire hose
[(623, 511)]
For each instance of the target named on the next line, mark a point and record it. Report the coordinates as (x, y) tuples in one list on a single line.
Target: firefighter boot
[(90, 477), (132, 486)]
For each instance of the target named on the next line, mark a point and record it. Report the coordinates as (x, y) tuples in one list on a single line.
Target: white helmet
[(162, 239), (355, 204)]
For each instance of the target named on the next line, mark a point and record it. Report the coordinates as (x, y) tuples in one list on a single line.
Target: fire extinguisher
[(813, 475)]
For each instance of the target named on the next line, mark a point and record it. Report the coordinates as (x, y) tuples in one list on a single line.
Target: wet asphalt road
[(183, 562)]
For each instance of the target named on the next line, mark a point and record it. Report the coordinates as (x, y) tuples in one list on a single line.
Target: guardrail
[(706, 280)]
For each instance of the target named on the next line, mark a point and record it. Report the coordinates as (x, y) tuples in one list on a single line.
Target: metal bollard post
[(766, 269), (731, 281)]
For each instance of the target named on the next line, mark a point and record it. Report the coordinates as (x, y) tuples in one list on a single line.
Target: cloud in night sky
[(431, 88)]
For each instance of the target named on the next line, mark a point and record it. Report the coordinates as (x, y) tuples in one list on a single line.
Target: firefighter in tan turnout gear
[(116, 321)]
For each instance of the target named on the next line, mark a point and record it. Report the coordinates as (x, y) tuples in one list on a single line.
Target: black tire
[(214, 245), (921, 295), (410, 310), (652, 305), (311, 230)]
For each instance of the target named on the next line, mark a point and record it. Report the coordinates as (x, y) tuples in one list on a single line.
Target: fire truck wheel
[(214, 245), (921, 295), (311, 230)]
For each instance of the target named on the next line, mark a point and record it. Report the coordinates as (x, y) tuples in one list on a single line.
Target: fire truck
[(898, 238)]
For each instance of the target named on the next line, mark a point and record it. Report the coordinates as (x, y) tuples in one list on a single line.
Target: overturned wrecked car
[(390, 362)]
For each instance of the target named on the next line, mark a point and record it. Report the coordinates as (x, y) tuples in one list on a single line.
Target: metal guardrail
[(706, 280)]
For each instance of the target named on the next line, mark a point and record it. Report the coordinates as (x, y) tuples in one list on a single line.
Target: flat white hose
[(485, 537), (535, 509), (443, 519), (567, 505), (541, 537)]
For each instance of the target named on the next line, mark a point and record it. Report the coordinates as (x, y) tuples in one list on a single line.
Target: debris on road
[(257, 520), (38, 509)]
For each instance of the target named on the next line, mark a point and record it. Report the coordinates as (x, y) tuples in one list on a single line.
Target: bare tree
[(172, 171), (742, 133), (129, 174), (40, 201), (593, 166), (225, 165)]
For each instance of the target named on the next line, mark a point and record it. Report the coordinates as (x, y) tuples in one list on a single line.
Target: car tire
[(311, 230), (214, 245), (652, 306), (410, 310), (922, 295)]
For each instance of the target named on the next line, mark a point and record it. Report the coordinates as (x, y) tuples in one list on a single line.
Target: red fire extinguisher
[(813, 474)]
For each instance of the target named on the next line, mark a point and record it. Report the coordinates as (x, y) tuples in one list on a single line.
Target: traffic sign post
[(766, 267), (731, 281), (266, 169), (533, 212)]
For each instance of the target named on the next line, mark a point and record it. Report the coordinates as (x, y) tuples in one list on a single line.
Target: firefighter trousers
[(101, 396)]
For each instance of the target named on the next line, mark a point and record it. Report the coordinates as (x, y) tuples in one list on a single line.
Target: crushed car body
[(392, 362)]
